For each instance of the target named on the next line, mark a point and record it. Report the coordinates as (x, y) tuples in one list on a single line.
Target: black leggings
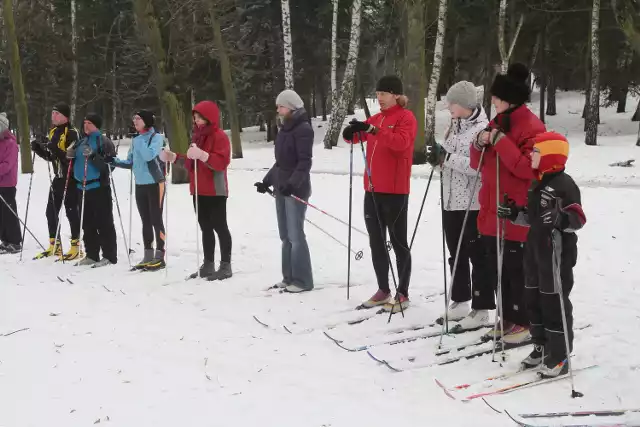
[(150, 201), (71, 207), (9, 223), (212, 216), (392, 212)]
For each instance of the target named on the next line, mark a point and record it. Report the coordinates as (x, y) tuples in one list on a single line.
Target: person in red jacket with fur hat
[(210, 147), (390, 137), (506, 173)]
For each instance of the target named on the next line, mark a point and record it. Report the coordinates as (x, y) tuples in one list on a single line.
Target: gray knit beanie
[(463, 94), (290, 99), (4, 122)]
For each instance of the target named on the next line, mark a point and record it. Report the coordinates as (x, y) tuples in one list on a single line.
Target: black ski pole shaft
[(21, 221), (26, 214), (382, 230), (350, 218), (424, 199)]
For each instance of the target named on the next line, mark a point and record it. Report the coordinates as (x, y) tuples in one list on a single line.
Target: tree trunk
[(114, 96), (543, 72), (591, 137), (638, 140), (415, 72), (430, 123), (227, 82), (534, 55), (363, 100), (287, 45), (505, 55), (551, 95), (19, 98), (339, 110), (74, 62), (636, 115), (173, 111), (323, 100), (622, 100), (456, 58), (334, 52)]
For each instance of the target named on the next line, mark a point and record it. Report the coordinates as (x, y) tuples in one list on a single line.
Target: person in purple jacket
[(289, 177), (10, 234)]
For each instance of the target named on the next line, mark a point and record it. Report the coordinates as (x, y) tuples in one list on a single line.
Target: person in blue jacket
[(91, 171), (149, 173)]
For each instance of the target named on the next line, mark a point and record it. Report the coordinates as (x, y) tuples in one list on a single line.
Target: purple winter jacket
[(8, 160)]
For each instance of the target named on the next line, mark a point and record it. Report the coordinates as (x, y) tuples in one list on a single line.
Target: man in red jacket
[(390, 136), (506, 173)]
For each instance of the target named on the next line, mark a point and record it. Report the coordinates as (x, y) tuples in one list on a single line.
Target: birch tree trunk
[(415, 79), (636, 115), (227, 82), (288, 50), (339, 110), (334, 51), (505, 55), (430, 124), (591, 137), (74, 62), (114, 96), (172, 108), (19, 98)]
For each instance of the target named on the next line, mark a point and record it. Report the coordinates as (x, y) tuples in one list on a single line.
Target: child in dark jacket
[(553, 213), (10, 235)]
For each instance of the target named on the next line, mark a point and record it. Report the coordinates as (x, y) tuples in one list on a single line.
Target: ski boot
[(399, 304), (534, 359), (74, 251), (457, 311), (552, 368), (157, 263), (379, 298), (55, 248), (224, 272), (85, 262), (207, 270), (146, 259)]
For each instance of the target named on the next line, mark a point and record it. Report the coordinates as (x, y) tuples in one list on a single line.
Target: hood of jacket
[(210, 111)]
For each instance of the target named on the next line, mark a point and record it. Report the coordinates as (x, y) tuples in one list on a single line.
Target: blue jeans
[(296, 260)]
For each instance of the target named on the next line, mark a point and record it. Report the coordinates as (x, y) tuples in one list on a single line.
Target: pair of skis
[(523, 419)]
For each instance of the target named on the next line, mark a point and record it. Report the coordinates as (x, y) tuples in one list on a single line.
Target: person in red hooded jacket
[(506, 174), (390, 137), (210, 148)]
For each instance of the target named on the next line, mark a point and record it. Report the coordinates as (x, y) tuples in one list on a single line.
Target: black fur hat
[(391, 84), (512, 87)]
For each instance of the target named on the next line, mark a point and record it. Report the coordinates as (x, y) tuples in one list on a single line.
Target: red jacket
[(212, 175), (516, 174), (390, 151)]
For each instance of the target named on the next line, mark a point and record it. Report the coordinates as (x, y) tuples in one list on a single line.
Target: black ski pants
[(71, 207), (98, 225), (472, 250), (212, 217), (391, 216), (9, 223), (150, 202), (543, 298), (484, 290)]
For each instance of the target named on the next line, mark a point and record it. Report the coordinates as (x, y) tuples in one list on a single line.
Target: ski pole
[(499, 250), (64, 197), (166, 214), (130, 207), (21, 221), (556, 241), (444, 256), (350, 218), (424, 199), (328, 214), (464, 225), (382, 230), (56, 210), (26, 214), (115, 196), (195, 185), (358, 254), (84, 190)]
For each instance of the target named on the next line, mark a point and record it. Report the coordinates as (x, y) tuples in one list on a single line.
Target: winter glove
[(168, 156), (495, 136), (348, 133), (71, 152), (195, 153), (286, 190), (508, 210), (261, 187), (551, 211), (86, 151), (358, 126), (436, 154)]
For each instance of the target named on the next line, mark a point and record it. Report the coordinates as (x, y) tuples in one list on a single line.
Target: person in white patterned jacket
[(468, 119)]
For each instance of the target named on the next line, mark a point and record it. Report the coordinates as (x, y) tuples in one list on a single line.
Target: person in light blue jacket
[(149, 173)]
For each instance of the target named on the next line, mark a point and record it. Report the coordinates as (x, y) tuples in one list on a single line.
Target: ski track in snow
[(150, 349)]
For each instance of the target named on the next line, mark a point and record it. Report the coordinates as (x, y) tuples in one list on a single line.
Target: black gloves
[(436, 154), (261, 187), (551, 212), (286, 190), (354, 127), (508, 210)]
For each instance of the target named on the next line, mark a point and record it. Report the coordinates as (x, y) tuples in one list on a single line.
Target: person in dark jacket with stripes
[(91, 172), (290, 176)]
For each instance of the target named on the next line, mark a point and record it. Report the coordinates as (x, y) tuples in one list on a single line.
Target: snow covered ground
[(149, 349)]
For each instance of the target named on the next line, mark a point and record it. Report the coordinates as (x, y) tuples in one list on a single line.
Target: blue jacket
[(92, 151), (143, 158), (294, 152)]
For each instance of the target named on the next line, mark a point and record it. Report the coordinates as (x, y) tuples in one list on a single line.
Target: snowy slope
[(149, 349)]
